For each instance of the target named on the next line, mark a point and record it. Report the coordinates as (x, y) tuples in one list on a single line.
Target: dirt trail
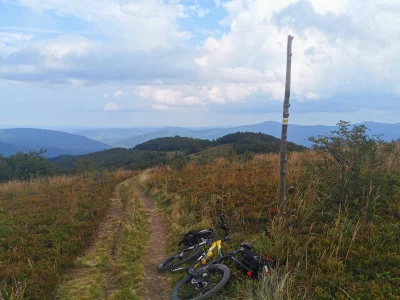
[(155, 285), (97, 273)]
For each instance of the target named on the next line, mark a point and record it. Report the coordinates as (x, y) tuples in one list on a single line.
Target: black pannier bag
[(194, 237), (255, 263)]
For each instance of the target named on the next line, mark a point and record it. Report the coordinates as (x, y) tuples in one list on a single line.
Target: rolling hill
[(163, 151), (113, 136), (298, 134), (55, 142), (9, 149)]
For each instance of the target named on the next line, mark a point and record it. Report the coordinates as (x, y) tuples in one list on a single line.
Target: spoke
[(192, 290)]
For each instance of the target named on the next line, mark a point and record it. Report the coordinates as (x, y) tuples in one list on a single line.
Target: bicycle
[(203, 272), (193, 242), (207, 276)]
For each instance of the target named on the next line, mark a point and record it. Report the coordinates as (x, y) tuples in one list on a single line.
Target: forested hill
[(176, 143), (110, 159), (241, 142), (244, 142), (168, 150)]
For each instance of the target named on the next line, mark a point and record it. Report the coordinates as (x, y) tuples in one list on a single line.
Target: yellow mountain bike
[(208, 275), (205, 277)]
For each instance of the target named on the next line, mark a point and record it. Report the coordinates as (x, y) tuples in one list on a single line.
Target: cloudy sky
[(197, 62)]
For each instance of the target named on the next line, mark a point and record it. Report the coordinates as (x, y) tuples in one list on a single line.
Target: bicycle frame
[(192, 247), (202, 260), (206, 258)]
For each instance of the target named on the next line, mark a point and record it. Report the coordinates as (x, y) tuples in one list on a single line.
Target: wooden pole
[(285, 122)]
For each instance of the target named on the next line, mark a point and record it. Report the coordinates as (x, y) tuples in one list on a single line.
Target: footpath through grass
[(112, 268), (44, 225)]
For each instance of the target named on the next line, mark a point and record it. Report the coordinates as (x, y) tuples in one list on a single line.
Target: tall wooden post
[(285, 122)]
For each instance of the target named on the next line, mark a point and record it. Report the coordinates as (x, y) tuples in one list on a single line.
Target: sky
[(194, 63)]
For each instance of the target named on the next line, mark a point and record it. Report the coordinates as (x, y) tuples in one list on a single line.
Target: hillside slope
[(327, 246), (112, 136), (166, 132), (55, 142), (7, 149), (298, 134), (162, 151)]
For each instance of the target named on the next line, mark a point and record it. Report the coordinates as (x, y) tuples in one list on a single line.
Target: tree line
[(177, 150), (23, 166)]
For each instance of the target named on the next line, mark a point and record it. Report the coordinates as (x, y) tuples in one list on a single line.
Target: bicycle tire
[(166, 265), (226, 273)]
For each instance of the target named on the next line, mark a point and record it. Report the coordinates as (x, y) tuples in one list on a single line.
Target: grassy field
[(335, 240), (44, 225), (111, 268)]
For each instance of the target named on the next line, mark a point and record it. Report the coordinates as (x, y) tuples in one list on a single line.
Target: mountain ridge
[(55, 142), (298, 134)]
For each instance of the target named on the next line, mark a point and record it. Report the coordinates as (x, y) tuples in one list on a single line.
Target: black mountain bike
[(208, 275)]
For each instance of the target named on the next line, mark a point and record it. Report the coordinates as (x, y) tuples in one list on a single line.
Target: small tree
[(85, 166), (351, 152), (30, 165)]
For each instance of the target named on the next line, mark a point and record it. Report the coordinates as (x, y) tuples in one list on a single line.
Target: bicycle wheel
[(176, 260), (210, 282)]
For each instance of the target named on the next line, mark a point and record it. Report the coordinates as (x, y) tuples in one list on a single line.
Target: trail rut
[(155, 285), (97, 274)]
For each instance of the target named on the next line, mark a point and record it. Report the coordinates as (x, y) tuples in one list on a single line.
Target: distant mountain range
[(113, 136), (91, 140), (55, 142), (298, 134)]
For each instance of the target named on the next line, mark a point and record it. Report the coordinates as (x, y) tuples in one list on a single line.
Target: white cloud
[(12, 41), (161, 96), (336, 51), (197, 96), (138, 24), (66, 45), (199, 11), (14, 37), (324, 6), (111, 106), (118, 93), (217, 3), (312, 96)]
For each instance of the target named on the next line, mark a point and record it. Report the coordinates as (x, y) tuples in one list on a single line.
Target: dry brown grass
[(329, 248), (44, 225), (16, 186)]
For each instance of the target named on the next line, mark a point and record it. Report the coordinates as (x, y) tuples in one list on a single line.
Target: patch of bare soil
[(155, 284)]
